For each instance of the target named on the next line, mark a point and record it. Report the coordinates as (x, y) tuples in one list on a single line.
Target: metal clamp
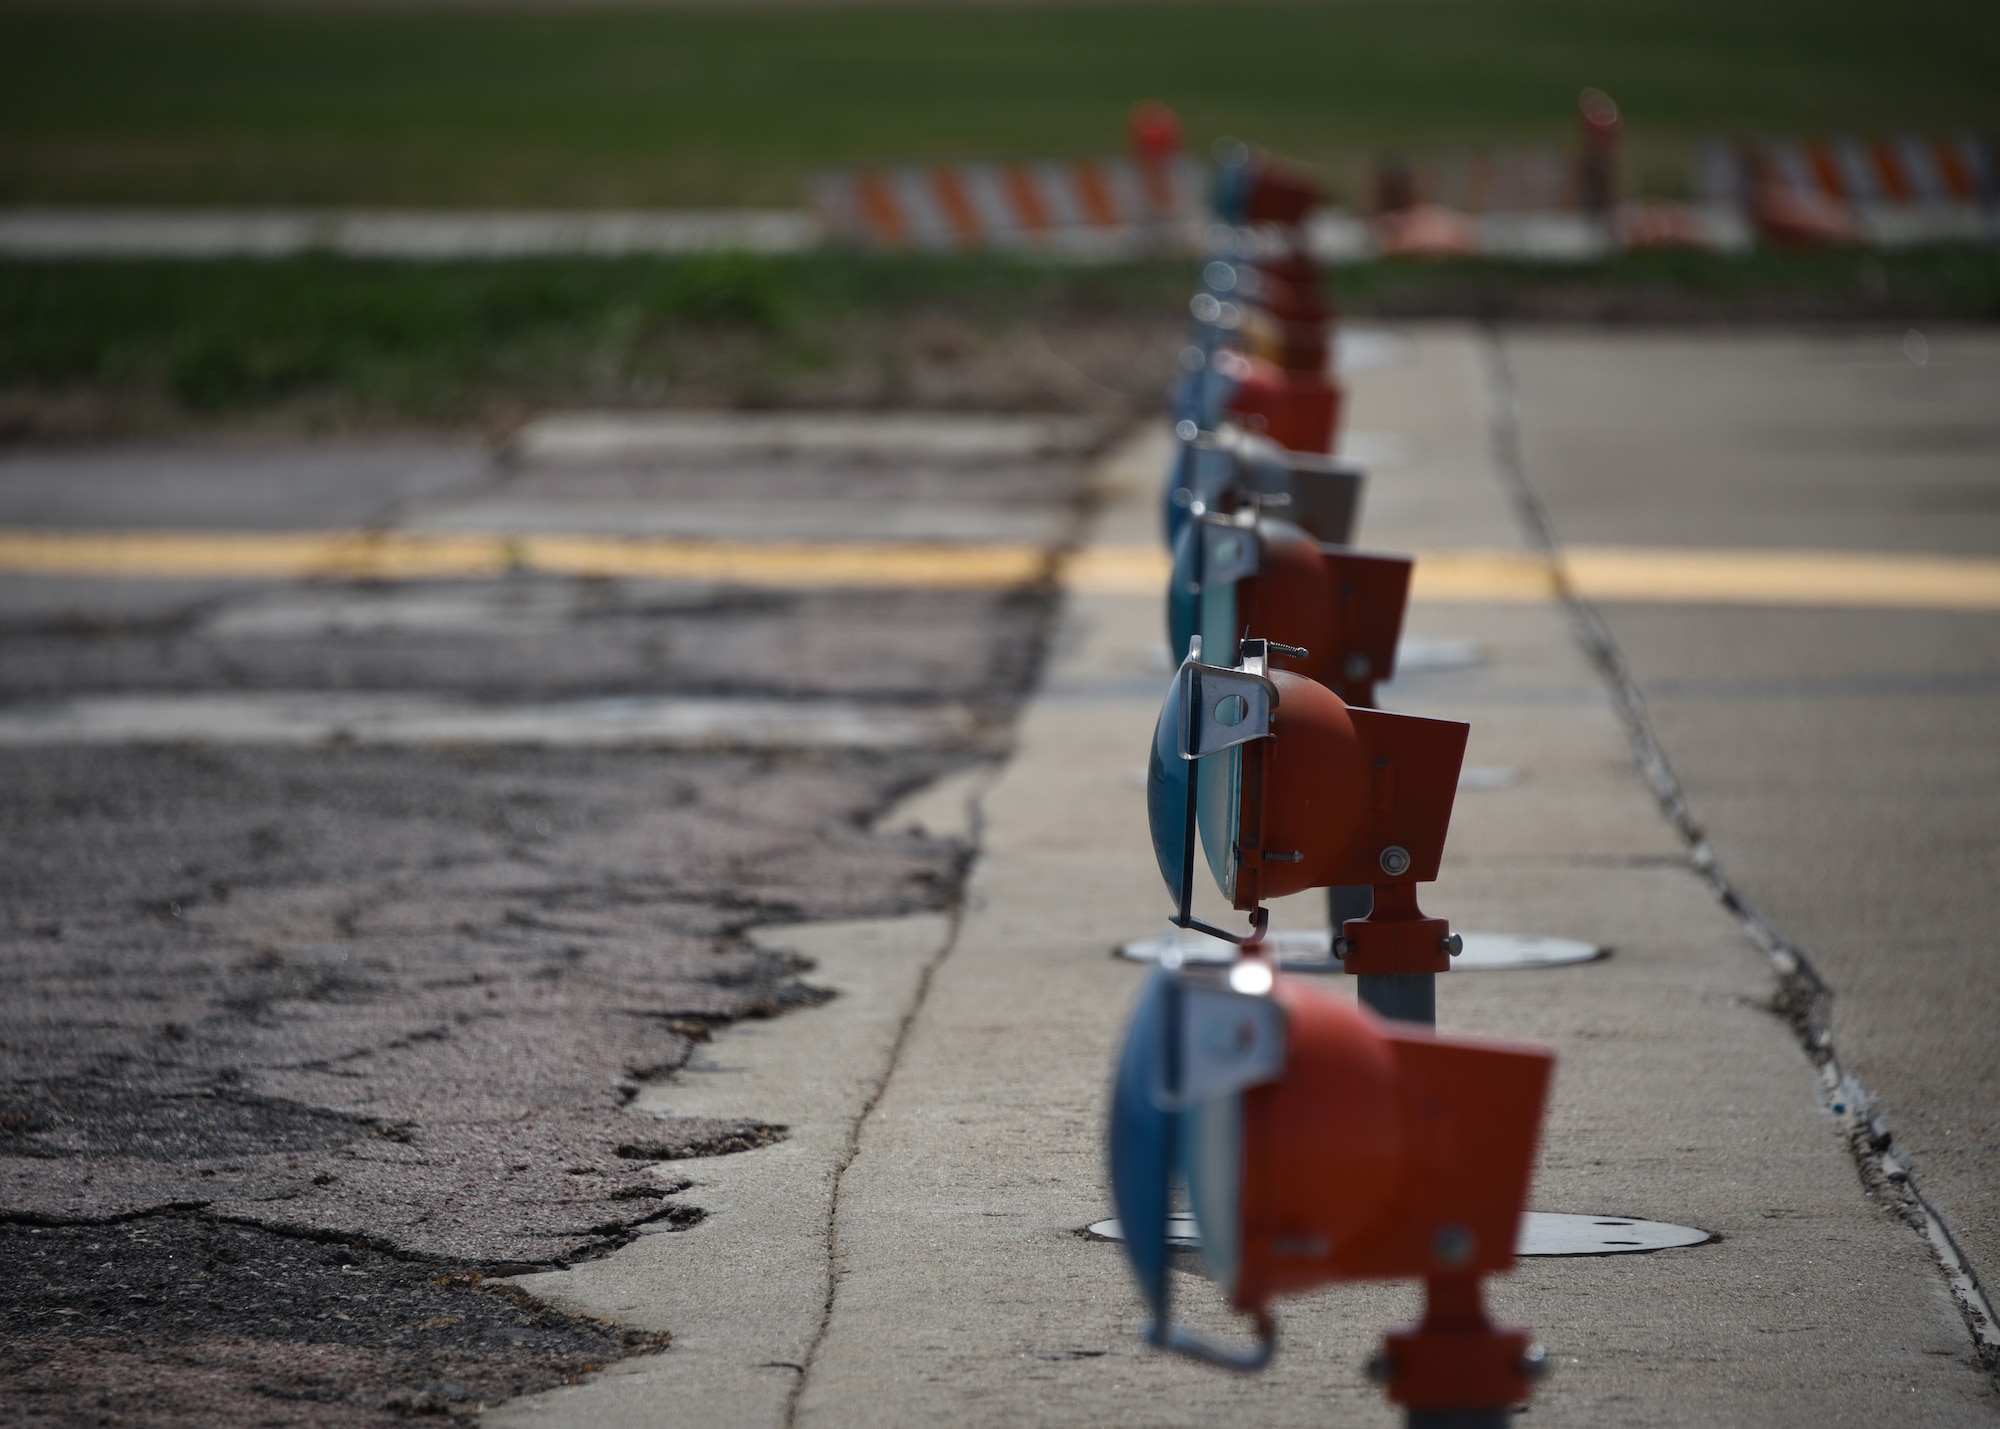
[(1230, 549), (1219, 709)]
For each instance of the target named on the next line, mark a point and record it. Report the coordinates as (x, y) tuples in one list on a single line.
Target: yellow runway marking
[(1649, 575), (1836, 578), (356, 555), (1440, 575), (1481, 576), (1601, 573)]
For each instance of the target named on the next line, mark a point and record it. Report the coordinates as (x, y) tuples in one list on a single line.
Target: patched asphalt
[(301, 1043), (181, 1319)]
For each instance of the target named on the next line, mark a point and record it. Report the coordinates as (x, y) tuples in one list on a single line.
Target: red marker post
[(1154, 140)]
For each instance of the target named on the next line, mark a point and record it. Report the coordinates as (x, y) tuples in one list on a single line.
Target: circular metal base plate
[(1308, 951), (1551, 1233), (1542, 1233)]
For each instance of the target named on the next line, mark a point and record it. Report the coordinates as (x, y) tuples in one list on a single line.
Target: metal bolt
[(1341, 948), (1452, 944), (1453, 1246), (1357, 667), (1395, 860), (1536, 1364)]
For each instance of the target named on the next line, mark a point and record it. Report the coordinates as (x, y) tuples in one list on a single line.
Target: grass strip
[(380, 341)]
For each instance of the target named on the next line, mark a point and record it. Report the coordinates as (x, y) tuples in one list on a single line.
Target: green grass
[(1954, 283), (373, 341), (451, 341), (694, 105)]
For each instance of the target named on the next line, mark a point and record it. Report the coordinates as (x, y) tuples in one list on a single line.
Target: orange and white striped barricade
[(1083, 206), (1512, 202), (1909, 189)]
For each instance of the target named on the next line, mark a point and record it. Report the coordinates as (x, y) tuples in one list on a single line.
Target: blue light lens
[(1218, 792), (1183, 600), (1232, 192), (1214, 617), (1174, 508), (1219, 787), (1206, 471), (1167, 777), (1142, 1141), (1211, 1156)]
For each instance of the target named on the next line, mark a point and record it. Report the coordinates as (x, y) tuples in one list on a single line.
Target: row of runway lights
[(1317, 1140)]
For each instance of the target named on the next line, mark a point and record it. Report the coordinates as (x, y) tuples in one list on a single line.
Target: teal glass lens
[(1221, 775), (1218, 795), (1215, 622), (1211, 1152), (1167, 776), (1183, 601), (1142, 1141), (1217, 781)]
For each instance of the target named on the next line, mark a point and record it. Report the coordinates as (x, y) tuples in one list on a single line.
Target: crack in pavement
[(1804, 998), (1081, 509), (851, 1148)]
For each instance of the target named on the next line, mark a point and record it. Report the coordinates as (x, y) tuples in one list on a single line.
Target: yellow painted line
[(1602, 573), (1439, 575), (1651, 575), (793, 563), (1481, 576), (285, 555), (1826, 578), (1118, 570)]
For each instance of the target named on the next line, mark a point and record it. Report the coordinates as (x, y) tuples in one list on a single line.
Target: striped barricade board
[(1909, 189), (1083, 205), (1541, 179)]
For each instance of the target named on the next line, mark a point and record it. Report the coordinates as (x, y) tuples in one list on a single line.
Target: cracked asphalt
[(301, 1044)]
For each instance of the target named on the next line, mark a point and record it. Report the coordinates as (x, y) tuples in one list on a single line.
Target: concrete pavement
[(947, 1278), (912, 1250), (1841, 762)]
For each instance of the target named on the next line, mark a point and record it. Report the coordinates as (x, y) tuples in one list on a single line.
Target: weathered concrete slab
[(744, 1292), (316, 718), (962, 1291), (1843, 762), (231, 486), (610, 436), (795, 518)]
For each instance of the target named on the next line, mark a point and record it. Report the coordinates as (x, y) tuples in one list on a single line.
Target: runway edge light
[(1283, 787), (1318, 1144)]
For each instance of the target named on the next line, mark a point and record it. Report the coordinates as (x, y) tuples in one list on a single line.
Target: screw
[(1536, 1364), (1452, 944), (1395, 860), (1453, 1246), (1341, 948)]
